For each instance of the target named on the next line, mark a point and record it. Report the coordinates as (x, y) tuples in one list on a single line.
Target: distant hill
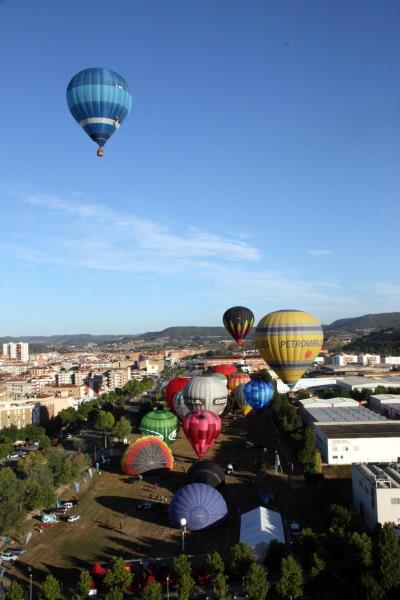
[(356, 325), (385, 342), (372, 321)]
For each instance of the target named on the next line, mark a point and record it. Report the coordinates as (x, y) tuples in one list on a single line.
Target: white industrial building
[(338, 401), (344, 412), (346, 443), (386, 404), (376, 493), (259, 527), (359, 383)]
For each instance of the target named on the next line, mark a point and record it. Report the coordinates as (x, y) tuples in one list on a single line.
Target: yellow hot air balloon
[(289, 340)]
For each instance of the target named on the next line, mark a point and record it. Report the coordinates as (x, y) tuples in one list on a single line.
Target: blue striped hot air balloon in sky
[(99, 100)]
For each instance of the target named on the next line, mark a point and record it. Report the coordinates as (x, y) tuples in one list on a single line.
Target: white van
[(67, 505)]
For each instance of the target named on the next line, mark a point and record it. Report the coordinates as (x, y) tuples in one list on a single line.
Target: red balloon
[(224, 369), (175, 385), (202, 428)]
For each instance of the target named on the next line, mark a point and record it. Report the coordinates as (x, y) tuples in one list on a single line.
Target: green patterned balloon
[(163, 424)]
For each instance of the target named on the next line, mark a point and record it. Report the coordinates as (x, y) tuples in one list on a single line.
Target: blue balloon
[(258, 394), (200, 504), (99, 100)]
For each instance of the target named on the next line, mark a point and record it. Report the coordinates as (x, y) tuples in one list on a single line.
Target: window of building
[(395, 500), (334, 456)]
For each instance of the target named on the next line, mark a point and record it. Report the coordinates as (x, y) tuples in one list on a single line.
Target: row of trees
[(31, 433), (32, 485)]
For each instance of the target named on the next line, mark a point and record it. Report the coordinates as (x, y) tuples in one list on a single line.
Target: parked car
[(68, 436), (144, 506), (16, 551), (67, 505), (8, 556), (13, 456), (73, 518)]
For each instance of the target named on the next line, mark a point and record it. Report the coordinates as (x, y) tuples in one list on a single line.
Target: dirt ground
[(111, 524)]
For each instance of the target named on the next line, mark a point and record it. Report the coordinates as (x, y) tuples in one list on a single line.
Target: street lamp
[(183, 530), (30, 582), (167, 587)]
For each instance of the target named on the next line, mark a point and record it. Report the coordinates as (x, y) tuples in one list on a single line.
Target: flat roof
[(386, 398), (360, 430), (343, 414)]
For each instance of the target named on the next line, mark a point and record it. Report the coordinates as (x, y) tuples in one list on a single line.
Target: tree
[(306, 453), (181, 566), (11, 501), (114, 594), (290, 584), (104, 420), (221, 587), (185, 587), (316, 463), (241, 558), (317, 566), (369, 588), (153, 591), (256, 583), (215, 565), (15, 592), (118, 577), (276, 551), (84, 583), (122, 428), (387, 557), (51, 589), (360, 550)]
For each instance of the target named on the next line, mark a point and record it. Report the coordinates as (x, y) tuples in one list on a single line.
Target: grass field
[(111, 524)]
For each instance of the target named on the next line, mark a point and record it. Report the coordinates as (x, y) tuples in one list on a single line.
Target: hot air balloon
[(206, 393), (206, 471), (220, 376), (160, 423), (148, 453), (238, 321), (289, 340), (99, 100), (236, 379), (224, 369), (175, 385), (258, 393), (241, 400), (202, 428), (200, 504), (180, 406)]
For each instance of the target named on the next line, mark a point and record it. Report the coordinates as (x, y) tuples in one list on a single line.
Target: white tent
[(259, 527)]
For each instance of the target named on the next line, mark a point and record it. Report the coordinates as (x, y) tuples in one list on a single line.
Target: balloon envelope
[(202, 428), (148, 453), (240, 400), (236, 379), (180, 406), (175, 385), (162, 424), (99, 100), (206, 393), (258, 394), (289, 341), (206, 471), (224, 369), (200, 504), (238, 321)]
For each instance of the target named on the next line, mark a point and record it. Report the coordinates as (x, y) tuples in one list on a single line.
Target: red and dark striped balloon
[(238, 321), (202, 428)]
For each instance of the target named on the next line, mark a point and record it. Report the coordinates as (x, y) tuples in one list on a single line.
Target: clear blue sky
[(260, 164)]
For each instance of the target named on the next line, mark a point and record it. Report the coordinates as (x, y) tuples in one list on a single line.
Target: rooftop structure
[(376, 492), (339, 414)]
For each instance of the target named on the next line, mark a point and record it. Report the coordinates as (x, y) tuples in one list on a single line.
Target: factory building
[(376, 493)]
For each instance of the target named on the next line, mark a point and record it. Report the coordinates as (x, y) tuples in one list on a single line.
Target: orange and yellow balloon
[(289, 341)]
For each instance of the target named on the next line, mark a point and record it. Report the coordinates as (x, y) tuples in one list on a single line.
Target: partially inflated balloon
[(236, 379), (175, 385), (238, 321), (224, 370), (199, 504), (289, 341), (206, 393), (99, 100), (202, 428), (241, 400), (180, 406), (258, 393), (148, 453), (160, 423)]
